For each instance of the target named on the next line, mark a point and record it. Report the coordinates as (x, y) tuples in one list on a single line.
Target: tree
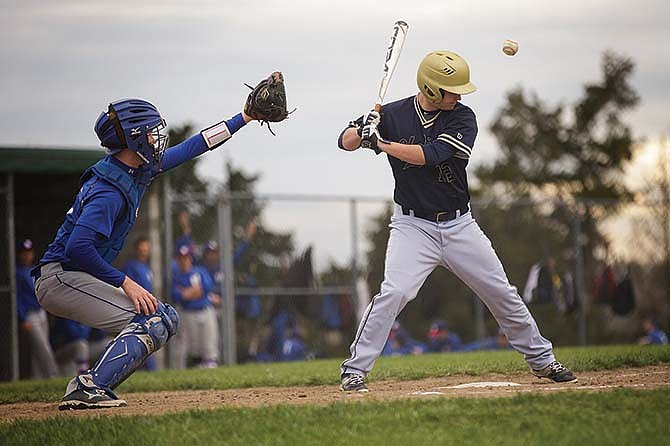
[(550, 154), (650, 231)]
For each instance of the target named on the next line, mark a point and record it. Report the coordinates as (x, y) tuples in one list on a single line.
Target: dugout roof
[(52, 160)]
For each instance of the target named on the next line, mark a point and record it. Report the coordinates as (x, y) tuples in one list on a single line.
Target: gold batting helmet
[(443, 70)]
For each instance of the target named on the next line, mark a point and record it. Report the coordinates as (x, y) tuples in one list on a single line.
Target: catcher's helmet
[(443, 70), (133, 124)]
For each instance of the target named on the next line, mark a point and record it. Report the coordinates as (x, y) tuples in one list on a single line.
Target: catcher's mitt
[(267, 101)]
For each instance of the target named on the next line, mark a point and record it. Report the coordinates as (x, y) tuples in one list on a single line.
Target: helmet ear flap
[(114, 119)]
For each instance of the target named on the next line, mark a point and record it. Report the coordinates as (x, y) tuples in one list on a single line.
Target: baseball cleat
[(353, 383), (89, 399), (556, 372)]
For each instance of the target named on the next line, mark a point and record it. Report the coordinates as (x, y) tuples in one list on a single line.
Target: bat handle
[(378, 107)]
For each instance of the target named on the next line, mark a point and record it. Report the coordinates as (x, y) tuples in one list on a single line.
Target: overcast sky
[(64, 61)]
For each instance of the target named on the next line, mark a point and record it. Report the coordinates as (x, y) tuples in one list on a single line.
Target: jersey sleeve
[(456, 140), (100, 211), (182, 152)]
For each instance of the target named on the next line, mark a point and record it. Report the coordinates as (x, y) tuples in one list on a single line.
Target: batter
[(429, 139)]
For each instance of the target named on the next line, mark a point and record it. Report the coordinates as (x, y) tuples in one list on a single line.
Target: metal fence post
[(14, 330), (353, 215), (168, 249), (581, 295), (227, 339)]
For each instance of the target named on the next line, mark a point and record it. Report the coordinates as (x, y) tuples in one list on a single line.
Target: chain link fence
[(305, 266)]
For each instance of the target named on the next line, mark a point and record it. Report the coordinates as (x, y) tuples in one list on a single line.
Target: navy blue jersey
[(447, 139)]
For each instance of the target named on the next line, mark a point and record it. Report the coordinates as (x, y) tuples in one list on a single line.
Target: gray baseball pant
[(83, 298), (415, 248), (42, 360), (200, 333)]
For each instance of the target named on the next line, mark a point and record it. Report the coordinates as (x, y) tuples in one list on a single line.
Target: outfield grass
[(327, 371), (622, 417)]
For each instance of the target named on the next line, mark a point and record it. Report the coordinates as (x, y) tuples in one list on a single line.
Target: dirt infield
[(497, 385)]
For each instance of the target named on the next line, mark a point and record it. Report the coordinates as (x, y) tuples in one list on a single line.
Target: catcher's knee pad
[(140, 338)]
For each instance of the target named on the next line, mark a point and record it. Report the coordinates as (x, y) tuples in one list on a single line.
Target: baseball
[(510, 47)]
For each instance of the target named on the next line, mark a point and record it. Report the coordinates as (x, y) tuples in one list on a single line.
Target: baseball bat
[(393, 51)]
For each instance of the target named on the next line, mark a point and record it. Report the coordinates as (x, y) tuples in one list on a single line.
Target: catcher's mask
[(133, 124), (443, 70)]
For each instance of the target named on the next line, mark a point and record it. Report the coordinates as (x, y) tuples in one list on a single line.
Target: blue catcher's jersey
[(447, 139), (107, 203)]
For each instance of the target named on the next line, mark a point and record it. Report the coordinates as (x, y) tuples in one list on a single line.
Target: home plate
[(426, 393), (482, 384)]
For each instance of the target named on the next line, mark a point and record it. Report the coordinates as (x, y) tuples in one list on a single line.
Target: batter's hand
[(143, 300), (371, 138), (370, 118)]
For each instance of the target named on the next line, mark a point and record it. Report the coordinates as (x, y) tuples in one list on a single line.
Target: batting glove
[(371, 138), (370, 118)]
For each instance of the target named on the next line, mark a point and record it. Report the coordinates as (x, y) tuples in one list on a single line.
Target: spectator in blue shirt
[(139, 270), (399, 342), (498, 342), (191, 291), (653, 334), (32, 318), (138, 267), (441, 339), (293, 347)]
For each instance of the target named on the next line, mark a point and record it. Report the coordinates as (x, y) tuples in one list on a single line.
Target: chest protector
[(132, 189)]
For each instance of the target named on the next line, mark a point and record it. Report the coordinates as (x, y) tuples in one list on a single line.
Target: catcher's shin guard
[(141, 337)]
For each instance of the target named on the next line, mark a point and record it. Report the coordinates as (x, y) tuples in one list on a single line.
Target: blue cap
[(184, 249), (211, 245), (439, 325)]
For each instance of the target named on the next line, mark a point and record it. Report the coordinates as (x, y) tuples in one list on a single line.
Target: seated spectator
[(441, 339), (653, 334), (70, 344), (33, 320), (498, 342), (199, 323), (400, 343), (293, 347)]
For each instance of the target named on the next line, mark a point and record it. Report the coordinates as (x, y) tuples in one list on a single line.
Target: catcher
[(75, 278)]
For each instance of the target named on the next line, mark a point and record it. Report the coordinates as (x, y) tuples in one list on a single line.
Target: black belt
[(436, 216)]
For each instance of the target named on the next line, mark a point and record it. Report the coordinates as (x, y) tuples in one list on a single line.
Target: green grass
[(327, 371), (622, 417)]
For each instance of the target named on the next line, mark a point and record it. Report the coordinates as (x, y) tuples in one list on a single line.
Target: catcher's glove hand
[(267, 101)]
